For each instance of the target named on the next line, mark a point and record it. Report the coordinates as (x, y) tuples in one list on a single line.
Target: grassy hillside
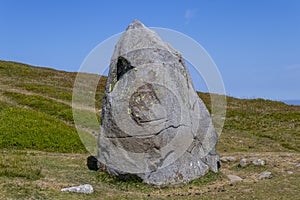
[(37, 130), (36, 109)]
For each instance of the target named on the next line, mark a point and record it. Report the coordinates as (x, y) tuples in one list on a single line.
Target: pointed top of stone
[(136, 24), (136, 37)]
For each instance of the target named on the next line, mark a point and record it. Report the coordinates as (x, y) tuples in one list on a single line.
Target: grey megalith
[(154, 126)]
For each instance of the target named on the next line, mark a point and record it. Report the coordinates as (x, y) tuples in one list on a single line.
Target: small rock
[(228, 159), (298, 165), (234, 178), (289, 172), (243, 162), (265, 175), (258, 162), (85, 189)]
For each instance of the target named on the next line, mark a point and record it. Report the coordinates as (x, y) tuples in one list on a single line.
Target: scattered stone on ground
[(228, 159), (298, 165), (258, 162), (85, 189), (243, 162), (290, 172), (265, 175), (234, 178)]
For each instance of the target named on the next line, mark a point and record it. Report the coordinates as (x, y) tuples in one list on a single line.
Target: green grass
[(250, 125), (15, 73), (210, 177), (15, 164), (258, 125), (50, 91), (42, 104), (87, 119), (41, 175), (250, 168), (4, 105), (61, 111), (28, 129)]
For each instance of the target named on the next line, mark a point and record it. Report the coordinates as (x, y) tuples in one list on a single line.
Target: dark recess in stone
[(218, 164), (123, 66)]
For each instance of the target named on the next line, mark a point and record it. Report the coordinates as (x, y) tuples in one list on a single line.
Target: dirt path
[(25, 92)]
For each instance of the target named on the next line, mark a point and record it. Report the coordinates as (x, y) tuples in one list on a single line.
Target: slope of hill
[(36, 118), (292, 102)]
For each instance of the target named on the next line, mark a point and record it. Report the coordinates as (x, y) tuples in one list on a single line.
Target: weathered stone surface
[(85, 189), (154, 125), (265, 175), (234, 178)]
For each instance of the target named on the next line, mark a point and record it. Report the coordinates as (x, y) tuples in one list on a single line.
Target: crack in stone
[(161, 161), (152, 120), (196, 142), (140, 136), (171, 126)]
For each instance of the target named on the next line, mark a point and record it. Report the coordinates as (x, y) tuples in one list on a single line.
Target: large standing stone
[(154, 125)]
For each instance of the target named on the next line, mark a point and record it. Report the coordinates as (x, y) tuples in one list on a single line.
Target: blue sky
[(255, 43)]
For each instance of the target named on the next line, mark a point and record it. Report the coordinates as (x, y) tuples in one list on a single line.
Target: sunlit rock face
[(154, 126)]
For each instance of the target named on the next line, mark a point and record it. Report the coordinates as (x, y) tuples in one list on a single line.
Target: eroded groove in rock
[(147, 136)]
